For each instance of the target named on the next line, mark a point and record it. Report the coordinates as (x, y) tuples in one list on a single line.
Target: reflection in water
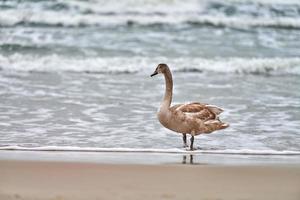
[(191, 159)]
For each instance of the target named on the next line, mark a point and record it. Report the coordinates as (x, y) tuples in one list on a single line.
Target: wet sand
[(41, 180)]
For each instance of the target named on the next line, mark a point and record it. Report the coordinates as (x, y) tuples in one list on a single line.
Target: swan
[(191, 118)]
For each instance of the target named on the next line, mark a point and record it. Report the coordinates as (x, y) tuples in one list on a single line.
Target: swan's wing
[(191, 107), (215, 109), (199, 110)]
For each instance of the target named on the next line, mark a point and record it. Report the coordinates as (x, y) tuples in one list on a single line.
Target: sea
[(75, 75)]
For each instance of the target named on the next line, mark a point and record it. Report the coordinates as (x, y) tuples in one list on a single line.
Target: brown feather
[(197, 110)]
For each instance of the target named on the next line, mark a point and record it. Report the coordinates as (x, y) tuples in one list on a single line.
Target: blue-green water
[(76, 73)]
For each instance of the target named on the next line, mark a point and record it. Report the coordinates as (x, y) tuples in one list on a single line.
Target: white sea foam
[(202, 12), (56, 63), (149, 150), (12, 18)]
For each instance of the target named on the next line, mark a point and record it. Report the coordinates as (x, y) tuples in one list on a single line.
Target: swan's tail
[(224, 125), (213, 125)]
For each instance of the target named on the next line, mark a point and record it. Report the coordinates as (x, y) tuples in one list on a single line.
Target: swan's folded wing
[(190, 107), (215, 109), (197, 110)]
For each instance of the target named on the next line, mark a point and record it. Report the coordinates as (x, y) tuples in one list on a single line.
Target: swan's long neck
[(169, 90)]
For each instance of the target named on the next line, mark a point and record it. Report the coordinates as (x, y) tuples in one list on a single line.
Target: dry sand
[(62, 180)]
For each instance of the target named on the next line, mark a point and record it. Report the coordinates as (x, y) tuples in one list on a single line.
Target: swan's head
[(160, 69)]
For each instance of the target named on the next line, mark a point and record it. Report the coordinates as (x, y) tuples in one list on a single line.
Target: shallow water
[(119, 110), (81, 79)]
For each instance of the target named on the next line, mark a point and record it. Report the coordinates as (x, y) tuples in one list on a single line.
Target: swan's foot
[(184, 141), (192, 143)]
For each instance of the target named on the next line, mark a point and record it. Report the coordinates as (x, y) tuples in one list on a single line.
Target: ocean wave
[(147, 150), (53, 19), (114, 65), (12, 47), (238, 14)]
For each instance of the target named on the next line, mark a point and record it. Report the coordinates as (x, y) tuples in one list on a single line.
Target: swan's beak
[(155, 73)]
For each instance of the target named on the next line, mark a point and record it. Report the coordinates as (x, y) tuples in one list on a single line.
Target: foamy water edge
[(56, 63), (149, 150)]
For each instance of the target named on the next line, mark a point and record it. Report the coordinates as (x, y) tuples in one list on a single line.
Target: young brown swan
[(192, 118)]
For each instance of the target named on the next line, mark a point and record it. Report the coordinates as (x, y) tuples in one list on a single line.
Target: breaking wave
[(54, 19), (56, 63), (241, 14)]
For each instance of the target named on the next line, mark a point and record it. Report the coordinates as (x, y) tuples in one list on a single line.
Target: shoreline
[(151, 150), (149, 158), (45, 180)]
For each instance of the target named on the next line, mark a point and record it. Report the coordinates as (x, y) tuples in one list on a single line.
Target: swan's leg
[(184, 140), (192, 143)]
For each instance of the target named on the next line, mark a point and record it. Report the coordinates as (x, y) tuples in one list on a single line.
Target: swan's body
[(192, 118)]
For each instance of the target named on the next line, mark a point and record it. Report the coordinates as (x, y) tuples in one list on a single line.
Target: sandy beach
[(70, 180)]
